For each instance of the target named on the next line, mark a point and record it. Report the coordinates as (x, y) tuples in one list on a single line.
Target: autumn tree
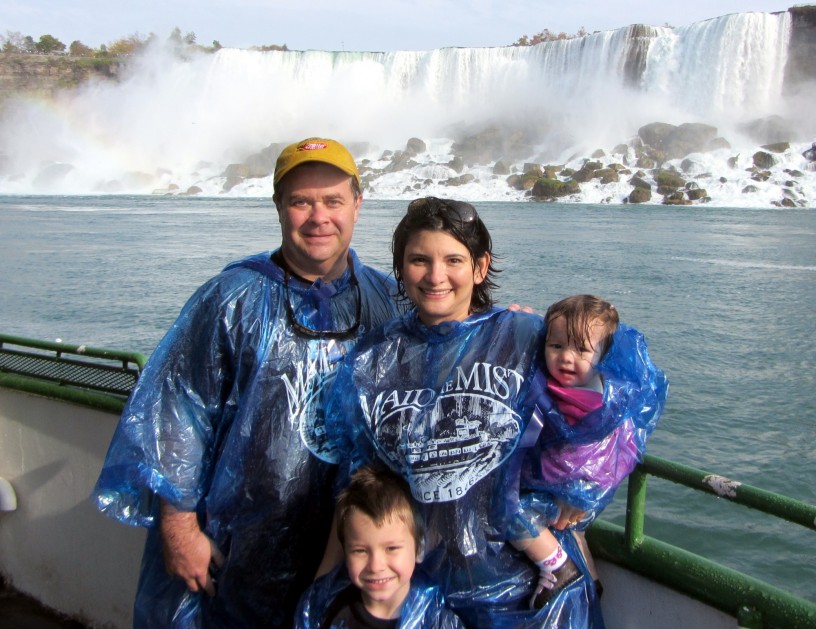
[(78, 49), (126, 46)]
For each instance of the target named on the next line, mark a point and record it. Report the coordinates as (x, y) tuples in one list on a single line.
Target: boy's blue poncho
[(447, 408), (424, 607), (224, 422), (582, 464)]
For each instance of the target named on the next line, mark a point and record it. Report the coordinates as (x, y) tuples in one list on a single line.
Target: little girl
[(581, 457)]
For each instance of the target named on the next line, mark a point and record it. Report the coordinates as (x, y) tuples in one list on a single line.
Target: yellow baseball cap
[(315, 150)]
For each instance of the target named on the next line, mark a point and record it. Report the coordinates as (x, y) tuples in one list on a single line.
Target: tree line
[(15, 42)]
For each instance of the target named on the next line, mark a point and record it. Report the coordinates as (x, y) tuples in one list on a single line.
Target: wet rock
[(644, 161), (553, 188), (639, 182), (500, 168), (718, 143), (768, 130), (669, 179), (696, 194), (235, 174), (607, 175), (640, 195), (777, 147), (673, 142), (763, 159), (461, 180), (676, 198), (415, 146), (457, 164)]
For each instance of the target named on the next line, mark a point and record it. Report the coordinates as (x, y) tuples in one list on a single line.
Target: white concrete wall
[(56, 546)]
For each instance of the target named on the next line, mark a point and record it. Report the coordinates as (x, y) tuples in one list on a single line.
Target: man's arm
[(187, 551)]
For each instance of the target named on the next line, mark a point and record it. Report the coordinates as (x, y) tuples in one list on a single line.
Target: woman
[(443, 396)]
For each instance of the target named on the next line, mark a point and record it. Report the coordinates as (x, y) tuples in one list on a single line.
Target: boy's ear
[(420, 551)]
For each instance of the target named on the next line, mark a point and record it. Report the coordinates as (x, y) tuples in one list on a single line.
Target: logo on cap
[(313, 146)]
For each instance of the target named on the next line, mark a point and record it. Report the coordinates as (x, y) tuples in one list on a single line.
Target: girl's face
[(439, 275), (380, 561), (569, 364)]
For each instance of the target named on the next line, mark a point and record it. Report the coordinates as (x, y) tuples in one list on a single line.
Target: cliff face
[(801, 67), (42, 75)]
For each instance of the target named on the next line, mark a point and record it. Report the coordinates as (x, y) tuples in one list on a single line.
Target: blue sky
[(379, 25)]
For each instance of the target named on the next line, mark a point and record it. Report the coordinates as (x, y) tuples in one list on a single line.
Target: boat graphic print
[(450, 446)]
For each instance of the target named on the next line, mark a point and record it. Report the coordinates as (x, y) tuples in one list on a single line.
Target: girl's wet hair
[(581, 313), (461, 221), (382, 495)]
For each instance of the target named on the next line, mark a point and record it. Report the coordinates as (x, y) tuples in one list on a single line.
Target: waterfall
[(185, 120)]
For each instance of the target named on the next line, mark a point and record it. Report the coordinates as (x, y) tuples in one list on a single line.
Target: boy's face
[(569, 365), (380, 561)]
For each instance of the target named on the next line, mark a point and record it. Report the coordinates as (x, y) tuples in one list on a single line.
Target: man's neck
[(328, 273)]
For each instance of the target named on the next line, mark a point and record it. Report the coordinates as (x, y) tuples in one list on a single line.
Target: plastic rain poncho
[(582, 464), (224, 422), (423, 608), (447, 408)]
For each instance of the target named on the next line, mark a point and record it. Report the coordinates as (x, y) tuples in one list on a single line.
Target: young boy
[(381, 533), (582, 467)]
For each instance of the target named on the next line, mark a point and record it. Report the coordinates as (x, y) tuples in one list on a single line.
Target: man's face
[(317, 212)]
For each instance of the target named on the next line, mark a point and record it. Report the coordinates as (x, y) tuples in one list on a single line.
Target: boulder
[(415, 146), (461, 180), (669, 179), (768, 130), (607, 175), (639, 182), (696, 194), (553, 188), (777, 147), (500, 168), (640, 195), (676, 198), (667, 141)]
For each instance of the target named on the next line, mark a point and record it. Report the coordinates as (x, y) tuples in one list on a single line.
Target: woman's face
[(439, 275)]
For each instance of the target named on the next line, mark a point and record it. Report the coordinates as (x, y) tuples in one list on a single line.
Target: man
[(220, 450)]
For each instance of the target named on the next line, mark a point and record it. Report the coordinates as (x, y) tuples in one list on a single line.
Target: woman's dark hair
[(460, 220)]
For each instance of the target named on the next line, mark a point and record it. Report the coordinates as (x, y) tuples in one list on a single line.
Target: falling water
[(183, 121)]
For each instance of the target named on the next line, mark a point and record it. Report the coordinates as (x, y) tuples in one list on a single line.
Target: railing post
[(635, 508)]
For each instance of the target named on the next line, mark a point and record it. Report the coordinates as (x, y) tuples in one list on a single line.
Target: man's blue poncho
[(224, 422), (423, 608), (447, 407)]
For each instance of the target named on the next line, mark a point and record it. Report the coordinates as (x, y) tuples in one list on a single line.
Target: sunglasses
[(464, 212), (311, 333)]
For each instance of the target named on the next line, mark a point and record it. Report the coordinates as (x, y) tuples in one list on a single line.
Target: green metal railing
[(93, 377), (102, 379), (754, 603)]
